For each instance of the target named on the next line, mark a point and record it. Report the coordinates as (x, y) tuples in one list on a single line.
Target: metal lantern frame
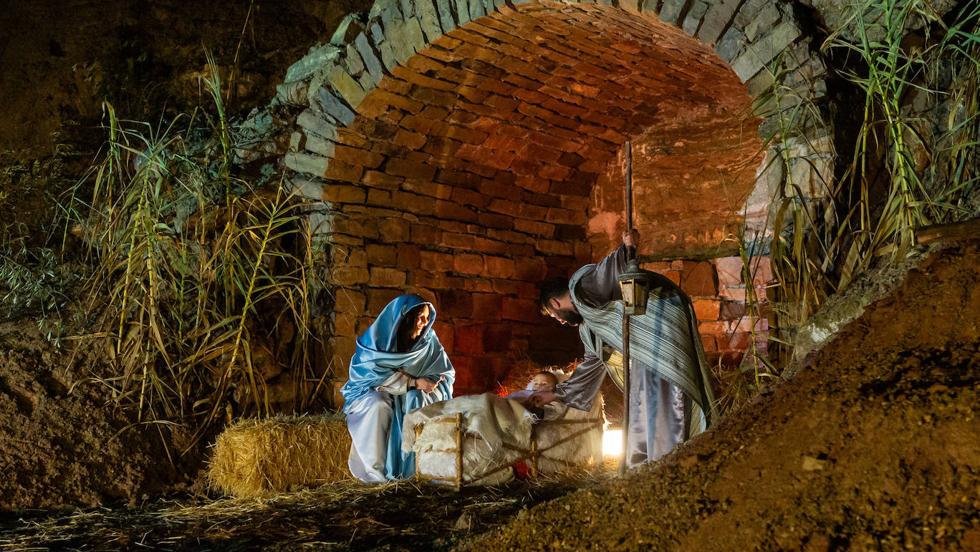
[(635, 286)]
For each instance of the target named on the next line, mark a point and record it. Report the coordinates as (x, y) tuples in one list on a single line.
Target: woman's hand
[(426, 386)]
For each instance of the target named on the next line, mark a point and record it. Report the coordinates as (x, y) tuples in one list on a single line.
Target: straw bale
[(255, 458)]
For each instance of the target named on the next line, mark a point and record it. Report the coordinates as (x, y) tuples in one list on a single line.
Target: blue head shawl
[(376, 359)]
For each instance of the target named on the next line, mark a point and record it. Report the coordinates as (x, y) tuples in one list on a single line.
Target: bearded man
[(670, 394)]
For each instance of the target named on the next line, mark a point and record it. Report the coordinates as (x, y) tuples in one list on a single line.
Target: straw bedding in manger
[(256, 458)]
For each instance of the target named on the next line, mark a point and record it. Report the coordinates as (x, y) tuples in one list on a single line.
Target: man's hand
[(541, 398), (426, 386), (631, 239)]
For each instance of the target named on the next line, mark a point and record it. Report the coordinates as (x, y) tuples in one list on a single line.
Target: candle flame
[(612, 442)]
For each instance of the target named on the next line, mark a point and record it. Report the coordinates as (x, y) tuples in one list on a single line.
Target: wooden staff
[(459, 451), (626, 318)]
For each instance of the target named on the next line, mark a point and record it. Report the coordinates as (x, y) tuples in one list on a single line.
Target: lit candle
[(612, 442)]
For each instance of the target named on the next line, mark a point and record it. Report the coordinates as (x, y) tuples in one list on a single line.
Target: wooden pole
[(626, 318), (968, 230), (459, 451), (629, 186), (418, 433), (534, 455)]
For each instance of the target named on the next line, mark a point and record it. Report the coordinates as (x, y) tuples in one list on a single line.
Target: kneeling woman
[(399, 365)]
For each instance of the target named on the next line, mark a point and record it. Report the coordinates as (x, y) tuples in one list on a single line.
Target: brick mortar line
[(612, 53)]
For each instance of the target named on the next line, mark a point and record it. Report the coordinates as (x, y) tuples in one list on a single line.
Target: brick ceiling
[(519, 114)]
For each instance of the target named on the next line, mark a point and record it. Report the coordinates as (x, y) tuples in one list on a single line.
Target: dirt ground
[(874, 444), (62, 444)]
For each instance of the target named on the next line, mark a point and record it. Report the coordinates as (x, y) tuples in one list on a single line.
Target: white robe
[(369, 423)]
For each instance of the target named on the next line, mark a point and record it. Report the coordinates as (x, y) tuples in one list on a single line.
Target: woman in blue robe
[(399, 365)]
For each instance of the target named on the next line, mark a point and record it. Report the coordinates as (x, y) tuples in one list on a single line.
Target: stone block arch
[(459, 147)]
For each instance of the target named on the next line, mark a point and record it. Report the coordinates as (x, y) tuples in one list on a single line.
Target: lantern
[(635, 285)]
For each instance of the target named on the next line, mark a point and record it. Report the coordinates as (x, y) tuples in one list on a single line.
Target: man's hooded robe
[(670, 398), (380, 390)]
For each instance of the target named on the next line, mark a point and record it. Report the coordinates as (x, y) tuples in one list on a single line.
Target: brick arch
[(469, 149)]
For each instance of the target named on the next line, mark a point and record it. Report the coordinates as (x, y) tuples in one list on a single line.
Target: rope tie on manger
[(532, 454)]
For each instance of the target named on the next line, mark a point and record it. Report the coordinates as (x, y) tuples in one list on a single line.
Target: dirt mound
[(873, 444), (62, 444)]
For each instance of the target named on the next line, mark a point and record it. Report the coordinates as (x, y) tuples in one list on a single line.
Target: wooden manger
[(535, 454)]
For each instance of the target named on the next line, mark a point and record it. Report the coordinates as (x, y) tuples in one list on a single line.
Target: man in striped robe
[(670, 394)]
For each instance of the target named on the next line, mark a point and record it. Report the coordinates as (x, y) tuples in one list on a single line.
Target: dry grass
[(910, 163), (339, 516), (201, 278), (258, 458)]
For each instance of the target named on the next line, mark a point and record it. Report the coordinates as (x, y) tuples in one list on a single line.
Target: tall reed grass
[(891, 153), (201, 282), (913, 161)]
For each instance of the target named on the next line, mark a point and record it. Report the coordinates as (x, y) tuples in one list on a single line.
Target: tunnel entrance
[(468, 155)]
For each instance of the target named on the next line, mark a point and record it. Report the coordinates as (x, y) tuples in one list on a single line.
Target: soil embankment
[(63, 443), (875, 443)]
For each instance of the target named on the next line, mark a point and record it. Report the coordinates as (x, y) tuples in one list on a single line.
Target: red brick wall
[(690, 182), (468, 171), (486, 303)]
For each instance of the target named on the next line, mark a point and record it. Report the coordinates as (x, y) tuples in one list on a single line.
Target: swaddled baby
[(542, 381), (498, 432)]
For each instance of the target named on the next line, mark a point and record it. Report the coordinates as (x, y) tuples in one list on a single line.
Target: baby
[(542, 381)]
